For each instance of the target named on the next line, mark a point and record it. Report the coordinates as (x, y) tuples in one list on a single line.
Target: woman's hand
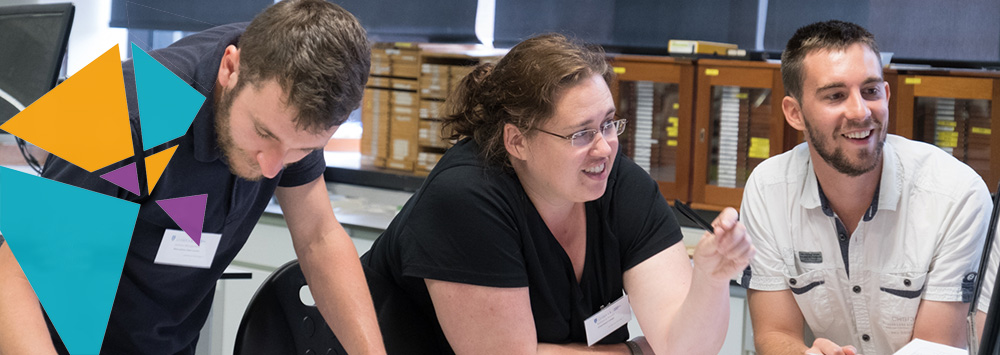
[(727, 252)]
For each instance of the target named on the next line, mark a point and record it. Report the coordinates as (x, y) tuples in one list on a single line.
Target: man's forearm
[(610, 349), (777, 343), (338, 285), (22, 327)]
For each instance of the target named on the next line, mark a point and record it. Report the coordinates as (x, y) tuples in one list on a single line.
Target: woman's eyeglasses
[(583, 138)]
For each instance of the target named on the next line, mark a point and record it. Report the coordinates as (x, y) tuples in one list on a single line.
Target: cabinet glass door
[(955, 113), (740, 135), (656, 95), (650, 137)]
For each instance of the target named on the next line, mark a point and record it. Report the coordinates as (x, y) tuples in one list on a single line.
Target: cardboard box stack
[(375, 123), (403, 110), (434, 83), (439, 76), (427, 160), (405, 105), (390, 108)]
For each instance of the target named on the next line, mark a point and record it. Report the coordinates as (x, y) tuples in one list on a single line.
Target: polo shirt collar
[(886, 196), (892, 177), (206, 148)]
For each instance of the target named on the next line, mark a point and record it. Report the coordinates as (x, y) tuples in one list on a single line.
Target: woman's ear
[(515, 142)]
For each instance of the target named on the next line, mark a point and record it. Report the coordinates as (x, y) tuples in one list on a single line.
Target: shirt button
[(906, 282), (792, 282), (843, 237), (865, 337), (857, 289)]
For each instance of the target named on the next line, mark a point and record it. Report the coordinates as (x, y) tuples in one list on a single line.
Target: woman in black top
[(534, 221)]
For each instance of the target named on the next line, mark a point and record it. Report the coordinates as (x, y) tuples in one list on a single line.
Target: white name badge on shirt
[(607, 320), (177, 248)]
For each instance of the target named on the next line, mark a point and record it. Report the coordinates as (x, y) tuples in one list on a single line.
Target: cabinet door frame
[(667, 71), (911, 86), (731, 73)]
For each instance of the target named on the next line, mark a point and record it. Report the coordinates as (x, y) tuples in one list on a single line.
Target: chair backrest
[(277, 322), (33, 41)]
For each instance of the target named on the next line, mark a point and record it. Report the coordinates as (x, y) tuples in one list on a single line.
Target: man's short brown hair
[(833, 34), (317, 52)]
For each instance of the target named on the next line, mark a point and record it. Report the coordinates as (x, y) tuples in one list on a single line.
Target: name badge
[(177, 248), (607, 320)]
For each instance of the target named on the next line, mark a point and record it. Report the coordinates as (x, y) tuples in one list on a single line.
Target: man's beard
[(232, 153), (838, 159)]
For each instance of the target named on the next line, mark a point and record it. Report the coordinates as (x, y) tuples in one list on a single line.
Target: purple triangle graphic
[(125, 177), (188, 212)]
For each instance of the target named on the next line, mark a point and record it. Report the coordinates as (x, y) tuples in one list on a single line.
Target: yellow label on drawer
[(980, 130), (912, 81), (619, 70), (404, 44), (741, 96), (677, 105), (760, 148), (712, 72), (945, 123), (672, 142), (946, 139), (672, 127)]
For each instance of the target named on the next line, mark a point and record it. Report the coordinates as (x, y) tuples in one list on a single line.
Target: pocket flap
[(906, 285)]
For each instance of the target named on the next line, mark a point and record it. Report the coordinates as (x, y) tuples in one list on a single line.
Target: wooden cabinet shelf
[(954, 110)]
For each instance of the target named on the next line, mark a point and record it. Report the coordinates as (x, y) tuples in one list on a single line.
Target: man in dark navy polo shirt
[(277, 90)]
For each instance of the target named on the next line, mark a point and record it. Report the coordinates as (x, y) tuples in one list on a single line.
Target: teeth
[(858, 135), (595, 169)]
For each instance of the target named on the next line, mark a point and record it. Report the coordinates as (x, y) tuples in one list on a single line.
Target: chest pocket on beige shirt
[(898, 299), (813, 293)]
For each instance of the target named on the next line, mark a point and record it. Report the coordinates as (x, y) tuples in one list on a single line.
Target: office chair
[(277, 322), (33, 40)]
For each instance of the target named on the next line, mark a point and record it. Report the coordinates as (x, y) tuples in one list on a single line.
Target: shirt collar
[(886, 193), (206, 148)]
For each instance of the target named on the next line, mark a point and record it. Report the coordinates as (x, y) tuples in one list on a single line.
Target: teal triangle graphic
[(167, 104), (71, 244)]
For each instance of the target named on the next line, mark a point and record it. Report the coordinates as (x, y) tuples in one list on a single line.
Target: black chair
[(277, 322)]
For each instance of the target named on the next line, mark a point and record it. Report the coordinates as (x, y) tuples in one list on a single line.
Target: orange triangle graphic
[(155, 164), (83, 120)]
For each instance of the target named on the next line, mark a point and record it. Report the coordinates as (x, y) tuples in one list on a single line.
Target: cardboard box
[(375, 116), (402, 148), (381, 63), (406, 70), (378, 82), (399, 164), (404, 98), (427, 160), (457, 73), (434, 69), (404, 55), (432, 109), (405, 84), (680, 46), (430, 134), (434, 87)]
